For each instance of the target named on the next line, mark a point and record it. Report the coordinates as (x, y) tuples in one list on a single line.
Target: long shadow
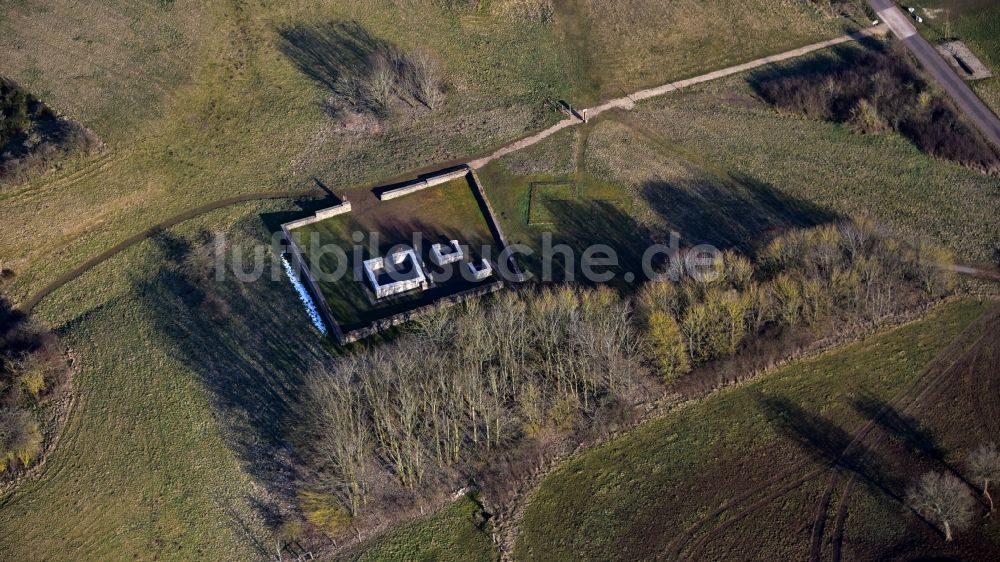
[(250, 344), (907, 430), (826, 442), (587, 224), (331, 53), (731, 214), (899, 426)]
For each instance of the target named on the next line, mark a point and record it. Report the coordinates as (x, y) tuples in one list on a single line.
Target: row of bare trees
[(469, 378), (475, 377)]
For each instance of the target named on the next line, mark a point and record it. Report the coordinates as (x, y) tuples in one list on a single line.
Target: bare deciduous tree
[(426, 76), (379, 82), (944, 500), (984, 466), (342, 439)]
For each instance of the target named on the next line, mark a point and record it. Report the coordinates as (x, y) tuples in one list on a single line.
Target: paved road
[(628, 102), (975, 110)]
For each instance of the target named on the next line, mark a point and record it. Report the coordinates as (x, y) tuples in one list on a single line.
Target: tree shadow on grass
[(737, 213), (580, 225), (331, 53), (908, 431), (828, 443), (250, 343)]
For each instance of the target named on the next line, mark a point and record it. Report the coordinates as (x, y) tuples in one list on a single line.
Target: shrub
[(737, 270), (666, 345), (532, 404), (564, 411), (662, 297), (787, 299), (865, 119), (325, 512), (20, 438)]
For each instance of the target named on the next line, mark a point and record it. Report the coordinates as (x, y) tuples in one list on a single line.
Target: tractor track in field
[(988, 411), (838, 524), (921, 385), (695, 553), (939, 370), (86, 266), (91, 168), (676, 546), (823, 506)]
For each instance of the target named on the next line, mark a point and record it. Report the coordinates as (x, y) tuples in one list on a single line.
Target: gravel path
[(628, 102)]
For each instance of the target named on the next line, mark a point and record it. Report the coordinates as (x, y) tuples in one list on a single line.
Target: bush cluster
[(32, 135), (32, 367), (875, 91), (801, 278)]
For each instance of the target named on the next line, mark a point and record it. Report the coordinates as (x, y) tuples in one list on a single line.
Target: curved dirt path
[(65, 278), (628, 102)]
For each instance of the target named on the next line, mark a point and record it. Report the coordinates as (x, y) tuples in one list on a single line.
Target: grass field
[(435, 215), (175, 449), (652, 42), (451, 535), (178, 429), (544, 197), (720, 167), (639, 496), (832, 169), (199, 102)]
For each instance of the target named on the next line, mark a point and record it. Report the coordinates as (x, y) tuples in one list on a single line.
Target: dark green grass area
[(454, 534), (436, 215), (544, 196), (629, 499), (599, 213)]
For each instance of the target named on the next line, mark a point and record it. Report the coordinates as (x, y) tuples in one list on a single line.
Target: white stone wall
[(480, 272), (401, 286), (441, 254), (322, 214), (417, 185)]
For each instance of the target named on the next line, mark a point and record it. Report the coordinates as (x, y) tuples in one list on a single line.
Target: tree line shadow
[(827, 443), (736, 214), (249, 346)]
